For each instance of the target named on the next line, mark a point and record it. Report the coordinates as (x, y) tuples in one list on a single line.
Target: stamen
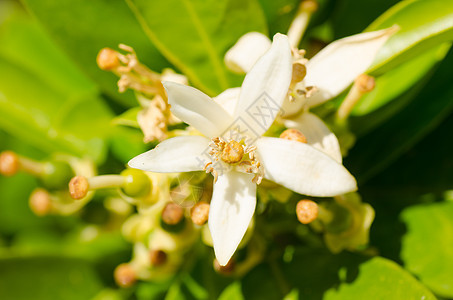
[(157, 257), (125, 275), (362, 85), (200, 213), (293, 135), (307, 211), (40, 202), (300, 22)]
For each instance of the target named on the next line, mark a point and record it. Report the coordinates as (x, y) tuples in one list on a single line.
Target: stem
[(106, 181), (300, 21)]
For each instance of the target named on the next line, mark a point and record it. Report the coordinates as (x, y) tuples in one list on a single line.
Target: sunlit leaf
[(423, 24), (194, 35), (427, 247)]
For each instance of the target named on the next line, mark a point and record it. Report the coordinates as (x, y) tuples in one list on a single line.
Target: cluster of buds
[(53, 175), (154, 115)]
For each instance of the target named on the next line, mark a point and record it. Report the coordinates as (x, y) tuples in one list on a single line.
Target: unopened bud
[(226, 269), (157, 257), (172, 214), (299, 72), (136, 183), (107, 59), (40, 202), (124, 276), (9, 163), (200, 213), (233, 152), (307, 211), (365, 83), (293, 135), (78, 187)]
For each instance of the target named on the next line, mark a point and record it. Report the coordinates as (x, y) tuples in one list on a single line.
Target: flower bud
[(233, 152), (200, 213), (56, 174), (9, 163), (157, 257), (124, 276), (307, 211), (107, 59), (40, 202), (293, 135), (136, 183), (78, 187)]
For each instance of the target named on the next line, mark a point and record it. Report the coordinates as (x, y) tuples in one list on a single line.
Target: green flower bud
[(56, 175)]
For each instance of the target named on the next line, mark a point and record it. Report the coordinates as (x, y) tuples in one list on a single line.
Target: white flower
[(331, 71), (233, 148)]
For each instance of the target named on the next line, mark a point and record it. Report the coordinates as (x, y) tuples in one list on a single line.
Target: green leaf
[(375, 151), (47, 278), (194, 35), (423, 24), (395, 82), (233, 291), (128, 118), (427, 246), (44, 98), (83, 27), (379, 278)]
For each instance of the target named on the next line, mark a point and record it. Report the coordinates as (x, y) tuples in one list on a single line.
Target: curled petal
[(303, 169), (232, 207), (179, 154), (335, 67), (197, 109), (228, 99), (247, 50), (265, 87), (317, 133)]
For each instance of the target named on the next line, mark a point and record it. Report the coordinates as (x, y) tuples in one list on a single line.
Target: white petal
[(303, 169), (232, 207), (179, 154), (317, 133), (335, 67), (247, 50), (265, 87), (197, 109), (228, 99), (170, 75)]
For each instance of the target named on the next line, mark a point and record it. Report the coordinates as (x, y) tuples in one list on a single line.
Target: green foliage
[(426, 248)]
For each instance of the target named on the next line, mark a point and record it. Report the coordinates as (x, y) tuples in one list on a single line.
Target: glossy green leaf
[(379, 278), (427, 246), (47, 278), (375, 151), (128, 118), (83, 27), (44, 99), (395, 82), (423, 24), (194, 35)]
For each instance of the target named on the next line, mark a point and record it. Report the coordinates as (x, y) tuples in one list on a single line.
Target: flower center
[(236, 154)]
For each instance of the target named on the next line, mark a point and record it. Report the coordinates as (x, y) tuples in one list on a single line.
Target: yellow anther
[(307, 211), (107, 59)]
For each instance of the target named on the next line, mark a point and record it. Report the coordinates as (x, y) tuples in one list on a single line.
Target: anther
[(307, 211), (362, 85), (299, 72), (124, 275), (107, 59), (9, 163), (226, 269), (172, 214), (78, 187), (157, 257), (232, 153), (293, 135), (40, 202), (200, 213)]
